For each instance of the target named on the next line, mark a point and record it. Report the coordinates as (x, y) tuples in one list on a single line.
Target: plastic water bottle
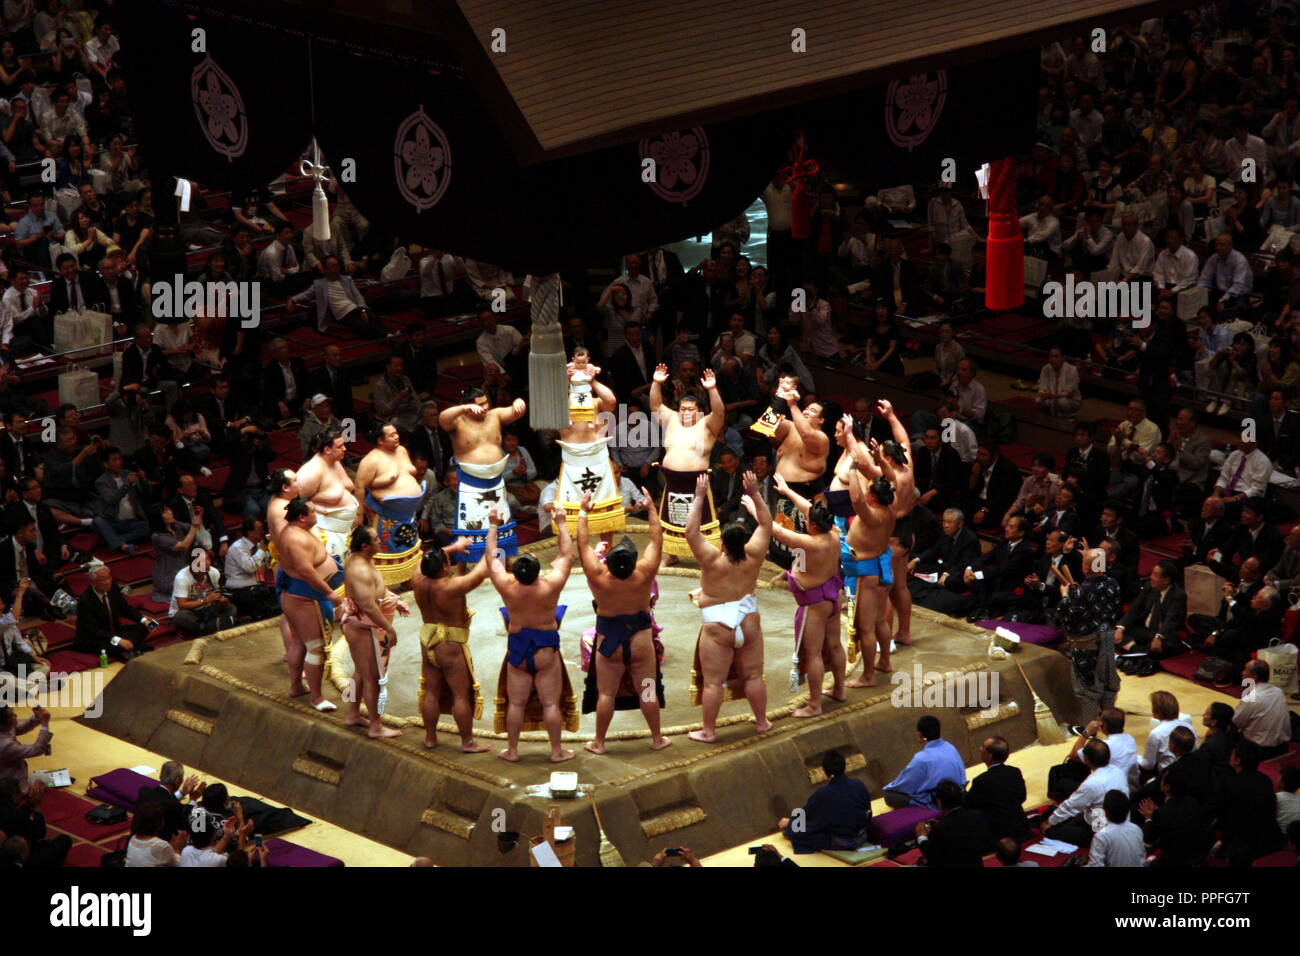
[(103, 657)]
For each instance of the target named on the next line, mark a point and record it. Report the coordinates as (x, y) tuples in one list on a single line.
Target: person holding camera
[(199, 605), (246, 565)]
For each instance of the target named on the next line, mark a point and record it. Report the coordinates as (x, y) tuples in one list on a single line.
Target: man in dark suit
[(1052, 568), (896, 280), (144, 363), (168, 791), (1175, 825), (285, 383), (1209, 532), (335, 382), (993, 577), (703, 302), (1153, 511), (957, 547), (420, 357), (579, 336), (121, 494), (1235, 610), (246, 490), (427, 438), (999, 793), (31, 507), (1112, 529), (1155, 356), (105, 622), (19, 559), (835, 816), (157, 460), (189, 495), (17, 453), (1279, 432), (960, 837), (1253, 537), (225, 415), (664, 269), (1064, 517), (939, 473), (632, 366), (726, 480), (73, 290), (992, 487), (121, 300), (1155, 621)]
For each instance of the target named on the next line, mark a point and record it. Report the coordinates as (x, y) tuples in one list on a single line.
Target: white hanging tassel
[(183, 190), (548, 383), (320, 204)]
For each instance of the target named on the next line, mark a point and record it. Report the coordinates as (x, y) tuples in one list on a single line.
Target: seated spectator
[(1285, 575), (1192, 446), (835, 816), (947, 353), (122, 520), (1091, 243), (394, 398), (22, 670), (286, 385), (1132, 256), (169, 791), (1288, 797), (939, 473), (1245, 475), (319, 418), (971, 398), (993, 485), (1072, 819), (337, 300), (279, 266), (146, 848), (1226, 273), (1058, 386), (246, 490), (421, 359), (1176, 266), (1158, 752), (1007, 852), (522, 489), (999, 793), (1119, 842), (1037, 492), (1282, 208), (1042, 231), (1252, 538), (1089, 459), (197, 604), (21, 819), (441, 293), (101, 611), (246, 562), (960, 837), (896, 280), (1263, 717), (945, 283), (22, 562), (13, 754), (1154, 621), (1053, 568), (1245, 811), (1155, 504), (935, 762)]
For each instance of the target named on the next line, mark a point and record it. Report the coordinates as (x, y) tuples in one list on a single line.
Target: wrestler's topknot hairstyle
[(470, 395), (883, 490), (297, 508), (895, 451), (734, 538), (621, 559), (821, 516), (324, 439), (361, 537), (526, 569), (433, 563), (280, 478)]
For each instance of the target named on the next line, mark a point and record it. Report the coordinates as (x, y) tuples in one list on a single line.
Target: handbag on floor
[(1214, 670)]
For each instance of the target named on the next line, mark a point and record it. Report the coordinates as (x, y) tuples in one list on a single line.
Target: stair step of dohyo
[(677, 818)]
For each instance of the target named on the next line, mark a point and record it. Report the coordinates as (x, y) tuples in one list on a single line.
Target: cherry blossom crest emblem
[(220, 109), (421, 161), (681, 163), (912, 108)]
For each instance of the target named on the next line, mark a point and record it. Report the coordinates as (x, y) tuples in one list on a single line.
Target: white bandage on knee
[(313, 655), (382, 703)]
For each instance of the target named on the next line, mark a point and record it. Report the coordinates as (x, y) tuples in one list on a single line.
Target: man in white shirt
[(1073, 820), (278, 265), (1087, 122), (1263, 717), (964, 441), (744, 341), (1042, 230), (1133, 254), (486, 279), (1135, 438), (1091, 243), (1227, 274), (23, 314), (497, 344), (245, 558), (438, 292), (66, 121), (102, 47), (1243, 145), (1058, 386), (1245, 474), (198, 606), (639, 287), (1120, 841), (1177, 267), (972, 399)]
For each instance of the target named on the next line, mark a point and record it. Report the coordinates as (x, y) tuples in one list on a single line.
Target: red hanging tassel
[(798, 173), (1005, 265)]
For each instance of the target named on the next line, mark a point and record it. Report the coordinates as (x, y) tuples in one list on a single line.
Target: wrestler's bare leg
[(453, 669), (285, 635), (609, 674), (833, 654), (305, 625), (717, 646), (365, 675), (884, 637), (519, 687), (644, 667), (866, 613), (750, 657), (429, 702), (810, 653), (899, 596), (550, 684)]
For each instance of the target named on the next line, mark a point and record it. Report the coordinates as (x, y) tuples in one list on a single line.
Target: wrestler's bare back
[(616, 596), (722, 580), (868, 535), (439, 602), (819, 559), (532, 605)]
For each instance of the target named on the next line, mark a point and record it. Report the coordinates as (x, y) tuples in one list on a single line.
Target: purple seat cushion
[(898, 825), (284, 853), (119, 787), (1028, 633)]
